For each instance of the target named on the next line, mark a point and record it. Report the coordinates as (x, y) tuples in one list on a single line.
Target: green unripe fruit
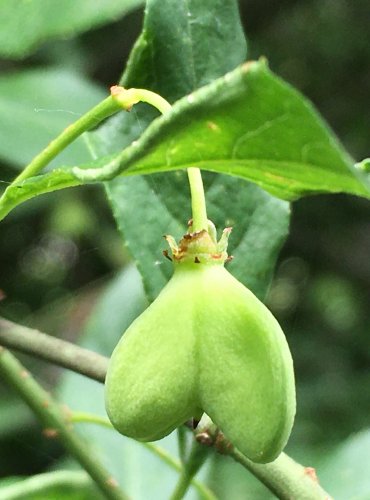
[(206, 344)]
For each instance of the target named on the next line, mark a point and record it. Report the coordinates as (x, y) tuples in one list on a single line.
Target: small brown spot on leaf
[(213, 126), (50, 433)]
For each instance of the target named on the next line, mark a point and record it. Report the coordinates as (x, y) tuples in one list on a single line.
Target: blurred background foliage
[(59, 253)]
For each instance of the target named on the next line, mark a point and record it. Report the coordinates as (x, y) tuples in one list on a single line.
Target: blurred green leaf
[(14, 415), (26, 24), (59, 485), (345, 474), (34, 186), (36, 105), (122, 301)]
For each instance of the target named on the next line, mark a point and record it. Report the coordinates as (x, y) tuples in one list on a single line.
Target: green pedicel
[(206, 344)]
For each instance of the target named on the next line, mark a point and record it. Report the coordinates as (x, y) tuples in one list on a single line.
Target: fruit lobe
[(206, 344)]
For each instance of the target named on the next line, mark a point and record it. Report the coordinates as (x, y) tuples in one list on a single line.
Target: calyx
[(200, 247)]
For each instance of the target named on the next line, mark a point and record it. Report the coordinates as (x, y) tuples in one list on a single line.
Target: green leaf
[(34, 186), (250, 124), (24, 25), (346, 473), (36, 105), (201, 40), (59, 485), (110, 316), (14, 415)]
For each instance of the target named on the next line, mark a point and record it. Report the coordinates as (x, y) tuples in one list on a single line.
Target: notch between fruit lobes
[(200, 247)]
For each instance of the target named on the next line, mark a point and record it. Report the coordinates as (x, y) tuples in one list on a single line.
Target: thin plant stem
[(198, 202), (182, 435), (126, 98), (84, 417), (197, 456), (56, 423), (78, 417), (285, 478), (57, 351)]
